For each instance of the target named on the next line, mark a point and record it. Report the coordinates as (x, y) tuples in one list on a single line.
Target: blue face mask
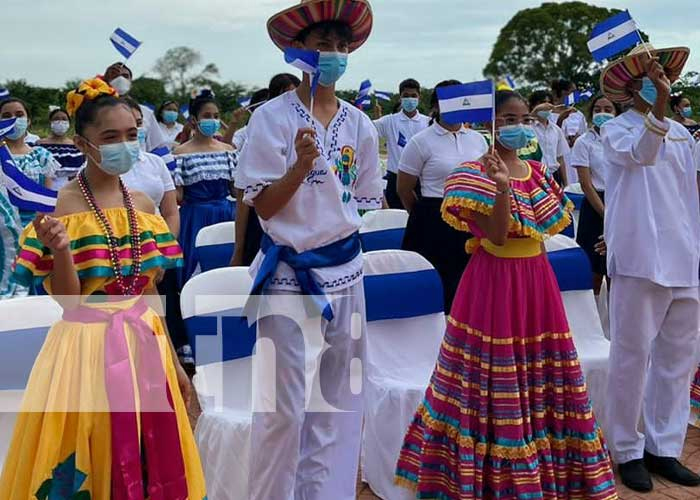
[(544, 114), (515, 137), (687, 112), (20, 128), (209, 126), (118, 158), (142, 136), (170, 116), (599, 119), (332, 66), (409, 104), (648, 92)]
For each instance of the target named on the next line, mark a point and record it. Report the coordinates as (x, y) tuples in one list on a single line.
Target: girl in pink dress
[(507, 413)]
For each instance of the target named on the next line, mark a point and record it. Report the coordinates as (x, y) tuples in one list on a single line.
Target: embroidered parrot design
[(346, 170)]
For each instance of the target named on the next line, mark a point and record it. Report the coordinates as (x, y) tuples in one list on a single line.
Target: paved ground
[(662, 490)]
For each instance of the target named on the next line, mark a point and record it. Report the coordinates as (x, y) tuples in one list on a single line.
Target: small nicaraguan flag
[(383, 96), (511, 82), (467, 103), (244, 102), (6, 126), (363, 102), (125, 44), (365, 89), (402, 140), (612, 36), (4, 93), (167, 157), (577, 96), (23, 192), (307, 61), (185, 111)]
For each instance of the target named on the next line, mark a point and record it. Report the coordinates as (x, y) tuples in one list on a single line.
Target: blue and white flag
[(383, 96), (185, 111), (402, 140), (577, 96), (167, 156), (467, 103), (244, 102), (365, 89), (363, 102), (23, 192), (6, 126), (511, 82), (150, 106), (613, 35), (4, 93), (307, 61), (125, 44)]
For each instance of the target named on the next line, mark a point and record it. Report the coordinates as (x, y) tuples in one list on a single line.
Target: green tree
[(148, 90), (178, 69), (548, 42)]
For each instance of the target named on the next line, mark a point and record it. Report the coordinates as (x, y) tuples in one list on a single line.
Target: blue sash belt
[(336, 254)]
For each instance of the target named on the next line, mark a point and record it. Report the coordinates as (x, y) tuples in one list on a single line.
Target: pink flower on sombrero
[(285, 26), (88, 89)]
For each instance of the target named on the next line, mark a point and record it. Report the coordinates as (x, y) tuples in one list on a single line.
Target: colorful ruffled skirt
[(507, 414), (695, 398)]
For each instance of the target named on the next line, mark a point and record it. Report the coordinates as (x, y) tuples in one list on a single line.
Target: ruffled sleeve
[(91, 257), (467, 190)]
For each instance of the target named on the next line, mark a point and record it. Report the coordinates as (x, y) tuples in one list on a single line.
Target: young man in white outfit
[(307, 175), (652, 231), (397, 129)]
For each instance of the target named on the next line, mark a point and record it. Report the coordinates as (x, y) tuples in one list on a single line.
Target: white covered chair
[(215, 245), (212, 304), (405, 327), (573, 271), (383, 229), (575, 194), (24, 323)]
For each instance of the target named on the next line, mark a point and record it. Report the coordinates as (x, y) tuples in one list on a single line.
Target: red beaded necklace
[(112, 242)]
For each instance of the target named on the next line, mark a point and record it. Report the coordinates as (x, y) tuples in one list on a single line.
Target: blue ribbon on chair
[(384, 239), (335, 254), (572, 268), (237, 336), (215, 256), (403, 295)]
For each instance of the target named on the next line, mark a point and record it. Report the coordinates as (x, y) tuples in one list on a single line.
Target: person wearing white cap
[(652, 232), (308, 169)]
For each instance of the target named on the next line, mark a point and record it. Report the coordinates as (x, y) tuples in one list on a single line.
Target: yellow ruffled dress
[(62, 446)]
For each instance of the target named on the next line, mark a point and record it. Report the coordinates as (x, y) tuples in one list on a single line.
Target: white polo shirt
[(171, 133), (588, 153), (398, 129), (432, 155), (155, 137), (553, 144), (652, 227), (324, 209), (151, 176), (239, 138), (575, 123)]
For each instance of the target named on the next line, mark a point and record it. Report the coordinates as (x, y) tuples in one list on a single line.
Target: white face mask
[(121, 84), (60, 127)]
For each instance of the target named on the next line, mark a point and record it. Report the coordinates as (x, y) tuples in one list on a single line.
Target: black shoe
[(635, 476), (671, 469)]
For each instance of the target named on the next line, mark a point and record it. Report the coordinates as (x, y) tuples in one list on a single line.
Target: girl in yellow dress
[(103, 416)]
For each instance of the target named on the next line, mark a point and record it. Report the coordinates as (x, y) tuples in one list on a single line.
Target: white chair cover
[(215, 245), (401, 355), (24, 323), (383, 229), (575, 193), (223, 382)]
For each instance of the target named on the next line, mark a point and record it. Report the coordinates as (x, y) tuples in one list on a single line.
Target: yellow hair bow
[(90, 90)]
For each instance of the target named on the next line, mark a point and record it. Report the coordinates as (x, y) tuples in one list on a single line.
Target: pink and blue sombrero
[(286, 25), (616, 76)]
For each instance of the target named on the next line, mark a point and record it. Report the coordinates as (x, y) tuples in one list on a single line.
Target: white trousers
[(308, 447), (653, 334)]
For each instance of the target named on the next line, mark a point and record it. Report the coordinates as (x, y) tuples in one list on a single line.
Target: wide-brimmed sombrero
[(613, 81), (285, 26)]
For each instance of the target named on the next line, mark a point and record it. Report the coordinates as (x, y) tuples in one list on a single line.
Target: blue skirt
[(193, 217)]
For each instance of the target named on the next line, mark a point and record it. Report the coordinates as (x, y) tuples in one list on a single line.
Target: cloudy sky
[(57, 40)]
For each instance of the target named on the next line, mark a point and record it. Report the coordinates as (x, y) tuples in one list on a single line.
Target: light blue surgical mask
[(20, 128), (648, 92), (209, 126), (687, 112), (409, 104), (170, 116), (515, 137), (117, 158), (600, 119), (141, 134), (332, 66), (544, 114)]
